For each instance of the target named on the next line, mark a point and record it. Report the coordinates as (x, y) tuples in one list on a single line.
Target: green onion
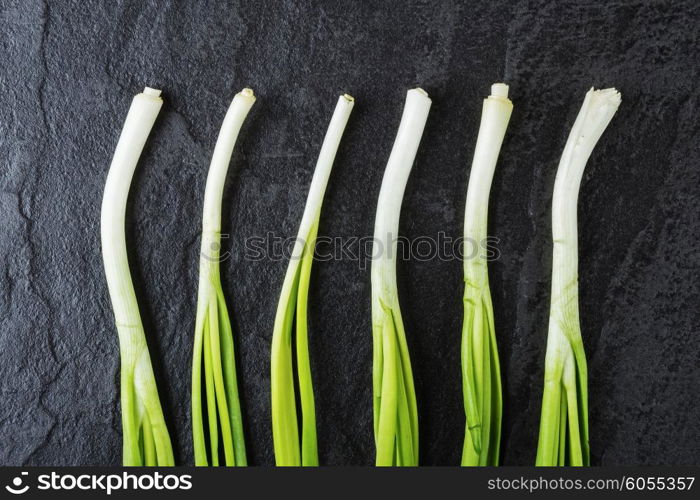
[(213, 338), (292, 312), (145, 436), (481, 376), (563, 436), (395, 411)]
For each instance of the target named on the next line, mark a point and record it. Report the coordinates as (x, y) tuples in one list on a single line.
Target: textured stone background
[(68, 71)]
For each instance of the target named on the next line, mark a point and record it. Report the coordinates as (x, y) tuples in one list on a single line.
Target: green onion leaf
[(481, 376), (145, 436), (563, 436), (213, 338), (395, 410), (292, 311)]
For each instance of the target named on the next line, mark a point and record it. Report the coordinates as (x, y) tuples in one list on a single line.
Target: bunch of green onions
[(481, 377), (289, 346), (395, 409), (145, 436), (213, 338), (563, 438)]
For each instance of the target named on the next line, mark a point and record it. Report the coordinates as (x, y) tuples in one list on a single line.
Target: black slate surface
[(68, 71)]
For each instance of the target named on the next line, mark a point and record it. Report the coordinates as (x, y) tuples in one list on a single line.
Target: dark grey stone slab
[(68, 71)]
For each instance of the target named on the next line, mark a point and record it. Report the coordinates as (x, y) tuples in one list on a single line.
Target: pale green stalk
[(145, 436), (563, 438), (213, 338), (395, 410), (292, 311), (481, 375)]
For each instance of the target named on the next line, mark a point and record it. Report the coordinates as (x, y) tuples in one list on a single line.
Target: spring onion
[(563, 438), (292, 312), (395, 410), (145, 436), (213, 338), (481, 376)]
